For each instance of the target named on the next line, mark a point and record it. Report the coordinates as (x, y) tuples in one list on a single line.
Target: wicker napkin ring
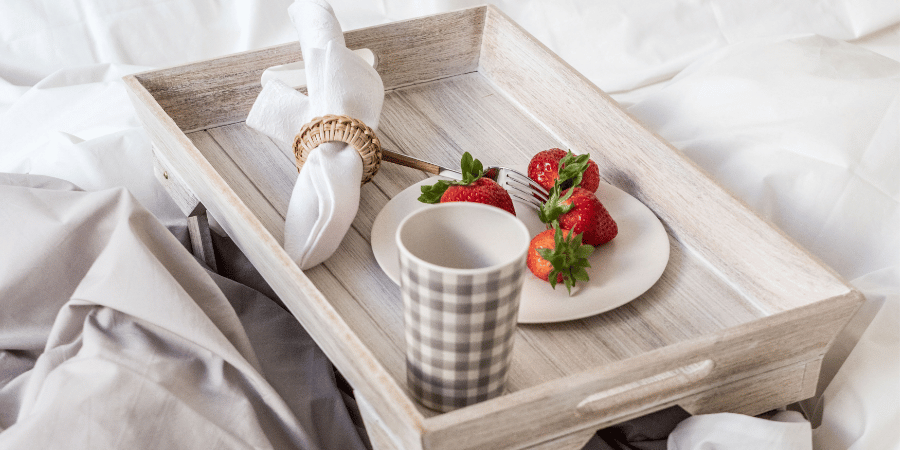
[(344, 129)]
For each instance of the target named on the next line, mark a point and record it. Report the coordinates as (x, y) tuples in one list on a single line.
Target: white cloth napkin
[(326, 195)]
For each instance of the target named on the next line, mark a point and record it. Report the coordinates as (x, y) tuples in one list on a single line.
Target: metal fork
[(516, 183)]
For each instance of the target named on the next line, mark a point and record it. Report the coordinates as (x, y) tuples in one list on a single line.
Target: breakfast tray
[(739, 321)]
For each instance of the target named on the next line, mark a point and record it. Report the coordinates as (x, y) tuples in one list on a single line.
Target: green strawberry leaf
[(569, 284), (433, 193), (580, 274), (471, 170), (571, 169), (569, 258), (554, 207)]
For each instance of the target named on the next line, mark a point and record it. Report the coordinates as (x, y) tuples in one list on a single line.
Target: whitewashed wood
[(571, 441), (265, 210), (273, 173), (380, 435), (187, 202), (763, 312), (220, 91), (755, 395), (201, 241), (635, 391)]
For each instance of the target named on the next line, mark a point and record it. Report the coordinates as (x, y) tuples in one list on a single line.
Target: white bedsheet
[(794, 106)]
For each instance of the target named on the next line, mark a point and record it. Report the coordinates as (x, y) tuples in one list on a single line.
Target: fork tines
[(521, 187)]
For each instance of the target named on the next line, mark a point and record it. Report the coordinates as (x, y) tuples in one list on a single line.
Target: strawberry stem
[(571, 169), (554, 207)]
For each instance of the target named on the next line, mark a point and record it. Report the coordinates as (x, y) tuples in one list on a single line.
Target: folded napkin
[(326, 195)]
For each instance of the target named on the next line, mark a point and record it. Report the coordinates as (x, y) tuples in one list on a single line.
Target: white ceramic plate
[(620, 271)]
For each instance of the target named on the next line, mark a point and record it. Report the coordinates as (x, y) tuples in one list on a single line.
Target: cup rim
[(519, 224)]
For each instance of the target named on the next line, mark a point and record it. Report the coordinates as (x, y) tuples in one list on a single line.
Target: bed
[(114, 335)]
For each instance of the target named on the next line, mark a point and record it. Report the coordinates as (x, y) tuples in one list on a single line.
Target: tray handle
[(654, 387)]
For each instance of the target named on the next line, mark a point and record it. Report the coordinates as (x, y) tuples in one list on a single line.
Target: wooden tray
[(739, 321)]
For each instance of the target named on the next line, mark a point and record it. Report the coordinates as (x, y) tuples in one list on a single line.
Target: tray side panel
[(763, 264), (221, 91), (758, 394)]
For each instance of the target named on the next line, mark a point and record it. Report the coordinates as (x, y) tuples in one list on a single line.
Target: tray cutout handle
[(654, 387), (294, 74)]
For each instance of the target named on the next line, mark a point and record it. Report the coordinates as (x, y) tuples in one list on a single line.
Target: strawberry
[(482, 190), (579, 210), (548, 166), (472, 188), (558, 256)]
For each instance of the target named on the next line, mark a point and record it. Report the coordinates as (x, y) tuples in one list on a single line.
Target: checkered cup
[(461, 271)]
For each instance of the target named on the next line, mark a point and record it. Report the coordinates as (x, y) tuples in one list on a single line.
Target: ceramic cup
[(461, 270)]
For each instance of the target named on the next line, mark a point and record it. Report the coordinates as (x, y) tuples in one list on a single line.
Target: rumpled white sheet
[(805, 130), (791, 105), (786, 430)]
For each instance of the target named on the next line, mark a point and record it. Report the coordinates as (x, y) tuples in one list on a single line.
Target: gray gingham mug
[(461, 271)]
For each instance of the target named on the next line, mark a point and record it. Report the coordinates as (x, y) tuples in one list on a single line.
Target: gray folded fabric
[(113, 336)]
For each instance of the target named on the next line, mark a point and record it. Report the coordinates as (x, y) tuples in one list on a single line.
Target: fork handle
[(409, 161)]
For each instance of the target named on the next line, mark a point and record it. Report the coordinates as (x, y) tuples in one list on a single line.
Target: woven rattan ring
[(344, 129)]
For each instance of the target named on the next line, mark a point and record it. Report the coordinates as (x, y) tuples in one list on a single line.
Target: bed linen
[(793, 106), (131, 332)]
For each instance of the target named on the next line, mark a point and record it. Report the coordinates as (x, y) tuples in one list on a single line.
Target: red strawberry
[(579, 210), (554, 164), (472, 188), (482, 190), (558, 256), (588, 216)]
